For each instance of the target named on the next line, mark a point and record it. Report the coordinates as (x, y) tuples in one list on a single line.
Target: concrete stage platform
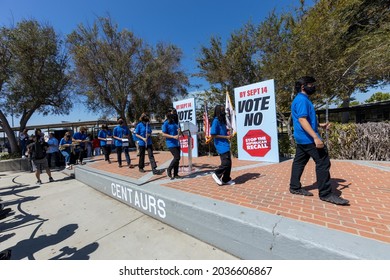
[(258, 218)]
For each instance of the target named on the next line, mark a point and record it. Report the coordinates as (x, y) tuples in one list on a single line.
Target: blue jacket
[(217, 128)]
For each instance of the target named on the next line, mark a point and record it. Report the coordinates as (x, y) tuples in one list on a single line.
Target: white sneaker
[(68, 167), (216, 179), (230, 183)]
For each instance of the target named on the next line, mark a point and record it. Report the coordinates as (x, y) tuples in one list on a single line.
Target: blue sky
[(188, 24)]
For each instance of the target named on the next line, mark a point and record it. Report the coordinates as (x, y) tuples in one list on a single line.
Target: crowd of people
[(74, 148)]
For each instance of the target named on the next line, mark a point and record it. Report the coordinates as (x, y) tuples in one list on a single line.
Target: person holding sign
[(309, 144), (105, 137), (65, 147), (143, 131), (219, 133), (171, 131), (79, 140), (121, 135)]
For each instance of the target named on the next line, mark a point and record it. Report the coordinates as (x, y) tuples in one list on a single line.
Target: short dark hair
[(303, 81)]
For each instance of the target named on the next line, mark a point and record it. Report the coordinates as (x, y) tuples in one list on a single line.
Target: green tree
[(343, 42), (38, 79), (226, 69), (120, 74), (378, 96), (5, 71)]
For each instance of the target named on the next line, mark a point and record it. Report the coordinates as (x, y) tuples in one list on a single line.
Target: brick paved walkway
[(264, 186)]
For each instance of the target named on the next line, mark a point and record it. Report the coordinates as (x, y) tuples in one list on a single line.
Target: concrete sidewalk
[(69, 220), (258, 218)]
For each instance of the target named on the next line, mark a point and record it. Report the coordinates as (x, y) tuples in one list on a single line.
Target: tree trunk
[(9, 132), (345, 115)]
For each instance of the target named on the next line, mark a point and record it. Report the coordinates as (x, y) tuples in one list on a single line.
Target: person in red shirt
[(96, 146)]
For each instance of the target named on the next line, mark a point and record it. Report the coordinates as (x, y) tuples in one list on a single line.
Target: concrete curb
[(240, 231), (18, 164)]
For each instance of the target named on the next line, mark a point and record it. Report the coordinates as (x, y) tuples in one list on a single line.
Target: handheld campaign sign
[(187, 116), (257, 135), (125, 142)]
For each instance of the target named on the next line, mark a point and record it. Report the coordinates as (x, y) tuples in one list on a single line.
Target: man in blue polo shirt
[(309, 144)]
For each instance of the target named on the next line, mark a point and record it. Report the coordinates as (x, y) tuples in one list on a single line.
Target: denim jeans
[(119, 150)]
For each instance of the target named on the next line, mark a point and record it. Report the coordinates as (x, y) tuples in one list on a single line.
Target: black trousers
[(56, 159), (119, 150), (174, 165), (106, 151), (225, 168), (322, 161), (80, 154), (142, 150)]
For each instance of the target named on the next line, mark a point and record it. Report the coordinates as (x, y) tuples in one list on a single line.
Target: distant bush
[(4, 156), (366, 141)]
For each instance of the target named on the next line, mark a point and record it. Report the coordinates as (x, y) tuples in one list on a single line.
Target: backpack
[(38, 151)]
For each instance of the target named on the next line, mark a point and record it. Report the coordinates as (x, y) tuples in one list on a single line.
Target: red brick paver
[(265, 188)]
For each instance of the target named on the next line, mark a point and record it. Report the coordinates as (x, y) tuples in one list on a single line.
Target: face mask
[(309, 90), (145, 119), (120, 122)]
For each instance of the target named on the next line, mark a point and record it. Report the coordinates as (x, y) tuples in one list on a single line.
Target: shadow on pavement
[(28, 247)]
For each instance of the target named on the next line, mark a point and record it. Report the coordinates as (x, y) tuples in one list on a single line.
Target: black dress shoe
[(141, 170), (301, 192), (332, 198), (157, 172)]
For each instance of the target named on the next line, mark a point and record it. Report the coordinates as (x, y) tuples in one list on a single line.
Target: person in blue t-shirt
[(171, 131), (105, 137), (143, 132), (219, 132), (309, 144), (80, 139), (121, 135), (65, 147)]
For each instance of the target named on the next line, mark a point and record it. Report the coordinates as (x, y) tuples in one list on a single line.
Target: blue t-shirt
[(171, 129), (80, 136), (53, 145), (104, 134), (121, 132), (221, 144), (302, 107), (141, 129), (64, 141)]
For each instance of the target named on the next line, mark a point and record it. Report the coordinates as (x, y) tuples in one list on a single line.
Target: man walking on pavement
[(309, 144)]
